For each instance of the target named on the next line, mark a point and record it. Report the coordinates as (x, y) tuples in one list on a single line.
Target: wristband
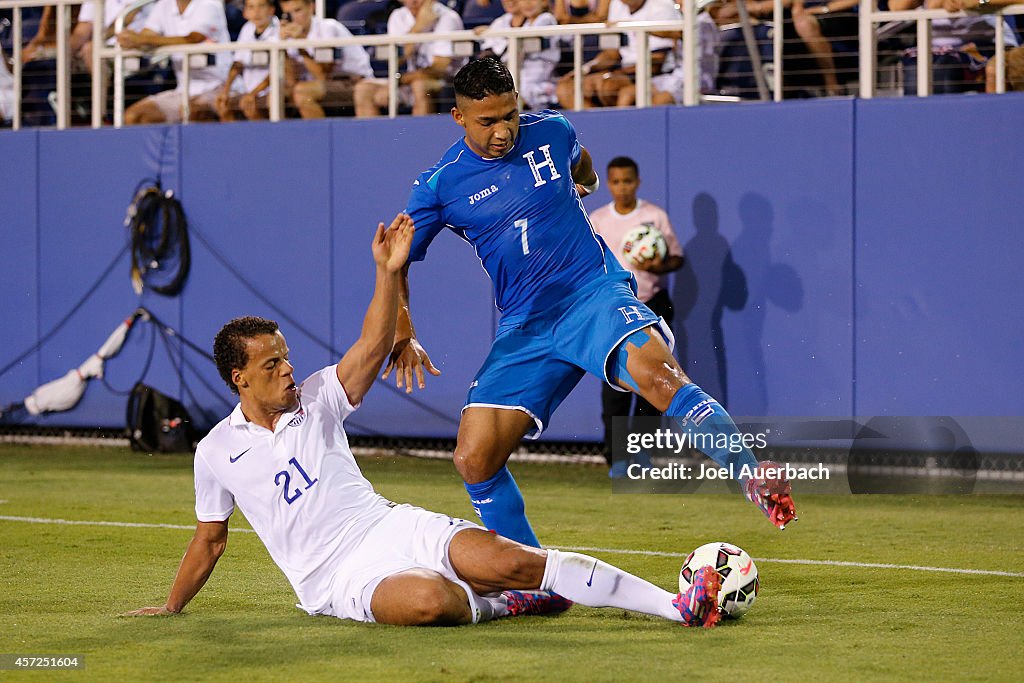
[(591, 189), (579, 11)]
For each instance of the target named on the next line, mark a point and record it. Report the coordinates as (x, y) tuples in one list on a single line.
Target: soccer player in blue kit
[(513, 188)]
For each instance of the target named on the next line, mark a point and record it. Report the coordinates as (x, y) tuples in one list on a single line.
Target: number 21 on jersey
[(285, 477)]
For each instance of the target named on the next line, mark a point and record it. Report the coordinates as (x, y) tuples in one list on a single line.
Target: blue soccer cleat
[(521, 603), (699, 605)]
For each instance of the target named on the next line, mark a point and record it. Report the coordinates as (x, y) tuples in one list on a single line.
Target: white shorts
[(407, 538), (672, 83), (405, 96), (169, 103)]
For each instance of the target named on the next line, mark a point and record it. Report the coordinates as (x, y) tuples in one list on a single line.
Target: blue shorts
[(534, 364)]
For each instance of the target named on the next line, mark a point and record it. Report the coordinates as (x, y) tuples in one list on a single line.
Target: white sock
[(486, 607), (594, 583)]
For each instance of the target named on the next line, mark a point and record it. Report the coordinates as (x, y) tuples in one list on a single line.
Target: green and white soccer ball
[(643, 243), (738, 572)]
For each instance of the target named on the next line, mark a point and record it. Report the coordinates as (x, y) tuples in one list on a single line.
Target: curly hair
[(483, 77), (229, 344)]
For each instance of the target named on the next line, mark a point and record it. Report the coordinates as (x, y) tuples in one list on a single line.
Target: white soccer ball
[(738, 572), (643, 243)]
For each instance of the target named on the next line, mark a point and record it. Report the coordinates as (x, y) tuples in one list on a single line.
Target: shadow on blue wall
[(709, 282), (768, 282)]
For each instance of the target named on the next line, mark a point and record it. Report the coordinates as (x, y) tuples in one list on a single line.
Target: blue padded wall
[(938, 248), (19, 263), (844, 257), (86, 180), (762, 201), (255, 197)]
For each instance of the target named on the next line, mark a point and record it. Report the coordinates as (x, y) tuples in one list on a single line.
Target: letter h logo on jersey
[(535, 167), (629, 311)]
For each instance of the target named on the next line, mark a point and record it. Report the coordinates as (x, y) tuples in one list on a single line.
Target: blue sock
[(500, 506), (711, 428)]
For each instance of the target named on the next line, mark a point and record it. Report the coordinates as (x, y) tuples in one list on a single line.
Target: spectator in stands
[(427, 67), (960, 48), (613, 221), (314, 84), (81, 34), (1014, 57), (1014, 72), (39, 57), (581, 11), (609, 79), (814, 25), (6, 90), (42, 44), (261, 25), (181, 22), (536, 69), (818, 25)]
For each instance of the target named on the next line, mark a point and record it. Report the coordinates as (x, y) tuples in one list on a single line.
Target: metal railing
[(870, 17), (522, 41)]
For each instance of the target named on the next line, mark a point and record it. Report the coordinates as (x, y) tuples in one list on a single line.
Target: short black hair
[(229, 344), (624, 162), (483, 77)]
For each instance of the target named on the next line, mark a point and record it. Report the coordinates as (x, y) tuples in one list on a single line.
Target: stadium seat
[(366, 17), (235, 20), (474, 14), (29, 25), (736, 69)]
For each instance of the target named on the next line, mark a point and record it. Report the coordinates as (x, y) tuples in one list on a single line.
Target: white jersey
[(299, 486), (200, 16), (536, 69), (651, 10), (6, 91), (355, 60), (111, 8), (401, 21), (253, 75)]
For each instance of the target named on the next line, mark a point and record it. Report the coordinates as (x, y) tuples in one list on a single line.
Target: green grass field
[(62, 586)]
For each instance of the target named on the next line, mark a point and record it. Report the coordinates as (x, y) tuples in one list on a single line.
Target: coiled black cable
[(161, 257)]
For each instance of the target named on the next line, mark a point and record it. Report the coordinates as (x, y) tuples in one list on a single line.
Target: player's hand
[(407, 359), (391, 246), (161, 611), (650, 265), (772, 495)]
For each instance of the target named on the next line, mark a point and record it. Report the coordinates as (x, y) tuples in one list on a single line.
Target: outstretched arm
[(207, 545), (358, 368), (407, 355)]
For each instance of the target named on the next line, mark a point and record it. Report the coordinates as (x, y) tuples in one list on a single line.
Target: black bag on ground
[(158, 423)]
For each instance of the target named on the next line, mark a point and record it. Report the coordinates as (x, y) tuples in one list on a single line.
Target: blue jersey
[(520, 212)]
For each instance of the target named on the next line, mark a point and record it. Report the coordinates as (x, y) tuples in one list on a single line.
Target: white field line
[(618, 551), (830, 563)]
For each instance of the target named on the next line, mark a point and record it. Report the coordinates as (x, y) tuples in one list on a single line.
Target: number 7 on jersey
[(521, 224)]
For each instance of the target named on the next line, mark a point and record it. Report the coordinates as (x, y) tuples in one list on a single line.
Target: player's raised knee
[(473, 462)]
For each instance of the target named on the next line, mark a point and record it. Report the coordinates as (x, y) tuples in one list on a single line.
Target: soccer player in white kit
[(283, 458)]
